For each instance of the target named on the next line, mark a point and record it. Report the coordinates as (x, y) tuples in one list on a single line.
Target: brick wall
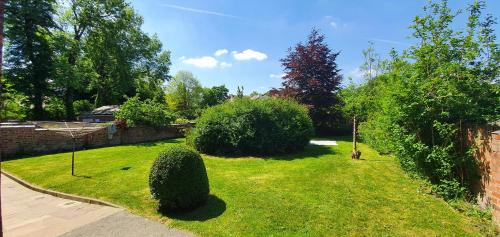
[(488, 155), (28, 139)]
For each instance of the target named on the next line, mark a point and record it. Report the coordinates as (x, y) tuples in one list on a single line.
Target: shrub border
[(59, 194)]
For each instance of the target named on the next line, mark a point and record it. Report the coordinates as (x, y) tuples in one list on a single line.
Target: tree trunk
[(38, 103), (355, 153), (68, 104), (354, 144), (70, 91)]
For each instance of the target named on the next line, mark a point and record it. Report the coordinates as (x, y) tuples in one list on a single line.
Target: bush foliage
[(81, 106), (252, 127), (136, 112), (178, 180), (422, 105)]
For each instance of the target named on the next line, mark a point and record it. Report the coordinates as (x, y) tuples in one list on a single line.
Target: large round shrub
[(252, 127), (178, 179)]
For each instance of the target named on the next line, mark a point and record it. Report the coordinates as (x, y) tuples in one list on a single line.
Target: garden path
[(29, 213)]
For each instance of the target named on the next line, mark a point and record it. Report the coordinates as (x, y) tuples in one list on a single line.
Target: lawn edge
[(59, 194)]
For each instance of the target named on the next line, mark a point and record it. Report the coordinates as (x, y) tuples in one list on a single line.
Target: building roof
[(106, 110)]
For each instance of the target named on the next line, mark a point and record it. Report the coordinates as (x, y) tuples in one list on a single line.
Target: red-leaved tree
[(313, 79)]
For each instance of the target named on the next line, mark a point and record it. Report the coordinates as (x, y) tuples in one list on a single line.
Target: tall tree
[(29, 56), (214, 96), (122, 55), (76, 19), (372, 65), (103, 52), (183, 94), (445, 84), (2, 80), (313, 79), (240, 92)]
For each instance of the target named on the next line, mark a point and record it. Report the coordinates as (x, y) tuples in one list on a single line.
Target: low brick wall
[(28, 139), (488, 156)]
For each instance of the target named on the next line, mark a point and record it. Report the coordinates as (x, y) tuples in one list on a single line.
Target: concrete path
[(324, 143), (29, 213)]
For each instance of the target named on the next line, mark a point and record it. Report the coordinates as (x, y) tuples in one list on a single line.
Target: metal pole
[(73, 159)]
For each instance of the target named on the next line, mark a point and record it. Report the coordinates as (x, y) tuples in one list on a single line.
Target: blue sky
[(250, 37)]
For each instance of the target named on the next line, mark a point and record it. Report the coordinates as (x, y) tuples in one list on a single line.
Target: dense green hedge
[(252, 127), (178, 179), (136, 112)]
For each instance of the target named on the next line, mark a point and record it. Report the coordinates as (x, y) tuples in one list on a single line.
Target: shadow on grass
[(83, 176), (158, 142), (310, 151), (213, 208), (334, 138), (375, 160)]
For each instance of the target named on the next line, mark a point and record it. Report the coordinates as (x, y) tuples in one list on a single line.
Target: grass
[(318, 192)]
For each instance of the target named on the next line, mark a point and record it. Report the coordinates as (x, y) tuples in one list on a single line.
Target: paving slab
[(29, 213), (124, 224), (324, 143)]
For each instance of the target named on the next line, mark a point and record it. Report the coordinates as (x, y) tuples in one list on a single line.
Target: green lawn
[(319, 192)]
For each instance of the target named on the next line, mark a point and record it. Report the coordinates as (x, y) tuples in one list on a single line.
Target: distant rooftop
[(105, 110)]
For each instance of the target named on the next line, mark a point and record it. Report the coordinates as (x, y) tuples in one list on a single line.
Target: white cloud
[(334, 25), (356, 73), (182, 57), (249, 55), (202, 62), (221, 52), (359, 74), (225, 64), (278, 76)]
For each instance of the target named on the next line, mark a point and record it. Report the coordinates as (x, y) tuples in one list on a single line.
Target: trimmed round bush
[(178, 180), (252, 127)]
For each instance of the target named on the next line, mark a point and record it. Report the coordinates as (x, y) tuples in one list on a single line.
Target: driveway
[(29, 213)]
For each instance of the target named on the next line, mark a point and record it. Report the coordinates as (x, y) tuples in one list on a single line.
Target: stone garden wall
[(28, 139)]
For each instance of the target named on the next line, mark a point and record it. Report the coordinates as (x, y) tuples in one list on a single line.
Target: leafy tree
[(239, 92), (451, 88), (433, 93), (76, 19), (254, 93), (183, 94), (121, 55), (153, 73), (82, 106), (136, 112), (2, 83), (29, 56), (372, 65), (95, 51), (11, 103), (313, 79), (101, 45), (214, 96), (54, 107)]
